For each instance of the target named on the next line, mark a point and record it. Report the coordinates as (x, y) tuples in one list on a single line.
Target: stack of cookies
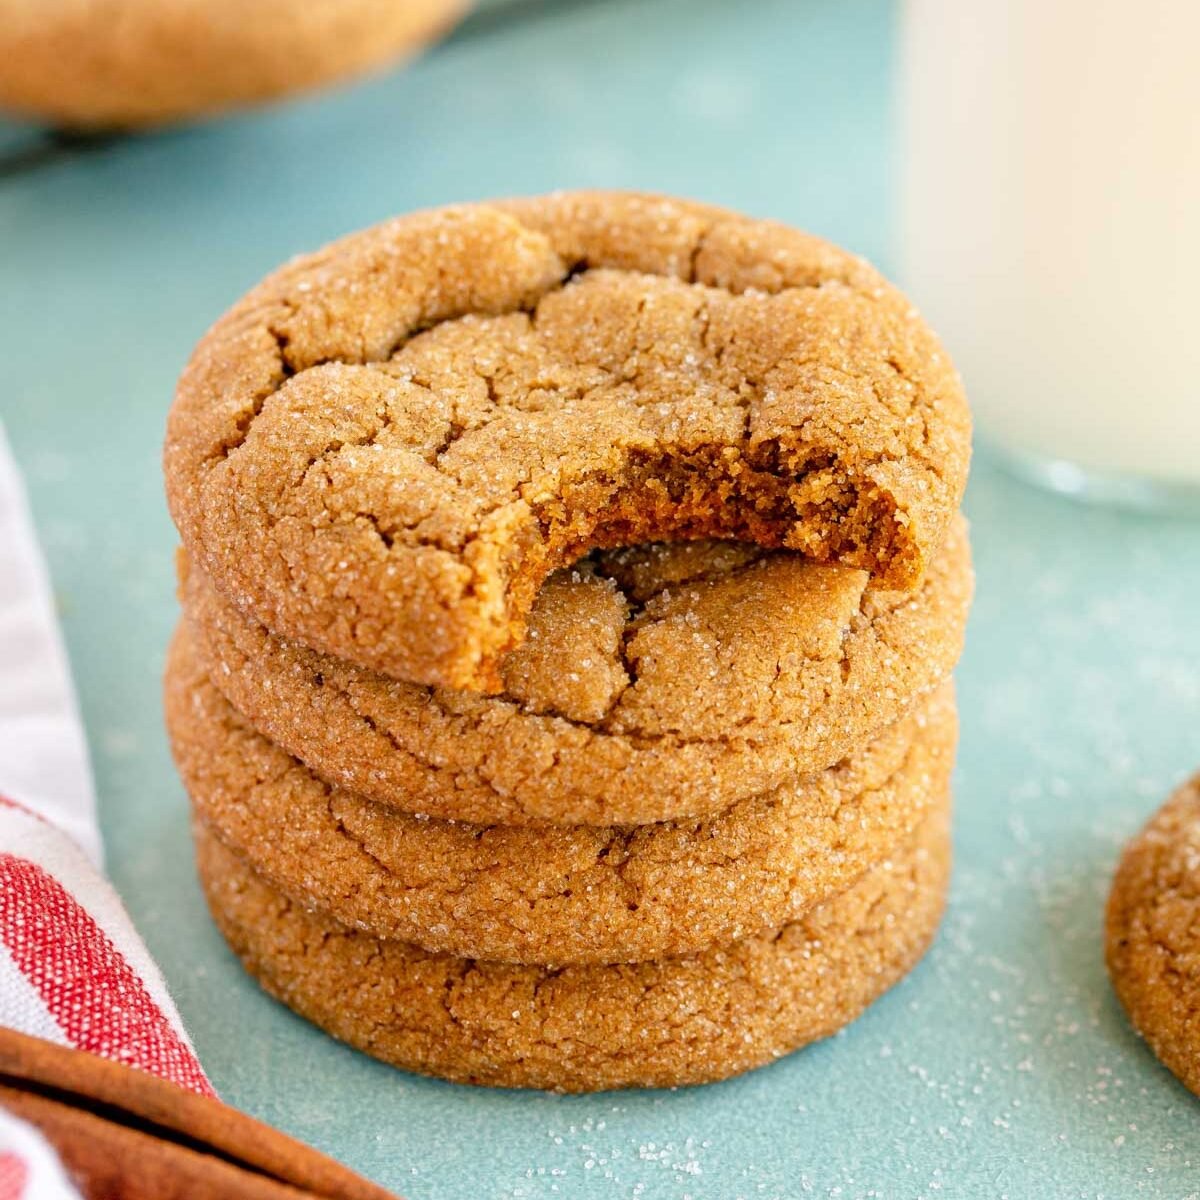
[(571, 589)]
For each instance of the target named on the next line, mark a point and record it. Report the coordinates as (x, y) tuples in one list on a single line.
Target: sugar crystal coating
[(553, 894), (386, 447), (589, 1028), (657, 682)]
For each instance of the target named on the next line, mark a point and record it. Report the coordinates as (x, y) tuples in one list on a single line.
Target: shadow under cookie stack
[(571, 589)]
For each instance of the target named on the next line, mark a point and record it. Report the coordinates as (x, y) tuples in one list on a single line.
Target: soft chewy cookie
[(387, 446), (132, 63), (1152, 933), (658, 682), (588, 1028), (553, 894)]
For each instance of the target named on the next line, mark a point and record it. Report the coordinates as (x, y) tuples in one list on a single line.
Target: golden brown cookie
[(1152, 933), (133, 63), (552, 894), (386, 447), (589, 1028), (656, 683)]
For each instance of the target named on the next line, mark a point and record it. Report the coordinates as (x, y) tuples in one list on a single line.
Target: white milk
[(1050, 162)]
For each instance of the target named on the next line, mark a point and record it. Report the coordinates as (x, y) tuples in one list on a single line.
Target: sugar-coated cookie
[(387, 446), (656, 683), (589, 1028), (553, 894)]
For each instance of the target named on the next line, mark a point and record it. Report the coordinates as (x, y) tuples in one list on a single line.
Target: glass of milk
[(1050, 230)]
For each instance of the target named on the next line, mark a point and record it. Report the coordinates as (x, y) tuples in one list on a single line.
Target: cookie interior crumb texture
[(589, 1028), (386, 447), (553, 894), (657, 682), (1152, 933)]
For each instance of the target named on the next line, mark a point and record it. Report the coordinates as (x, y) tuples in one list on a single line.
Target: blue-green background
[(1002, 1067)]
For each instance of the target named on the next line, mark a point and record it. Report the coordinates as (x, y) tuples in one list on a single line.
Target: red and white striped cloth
[(72, 967)]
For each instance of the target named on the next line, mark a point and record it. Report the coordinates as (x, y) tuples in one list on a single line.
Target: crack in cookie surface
[(386, 449)]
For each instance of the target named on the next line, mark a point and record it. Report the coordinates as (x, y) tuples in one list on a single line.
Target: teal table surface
[(1002, 1067)]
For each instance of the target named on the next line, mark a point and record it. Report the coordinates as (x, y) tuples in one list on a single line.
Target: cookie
[(656, 683), (552, 894), (589, 1028), (126, 1132), (1152, 933), (387, 446), (126, 64)]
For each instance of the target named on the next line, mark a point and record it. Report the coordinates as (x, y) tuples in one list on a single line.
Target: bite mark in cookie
[(385, 449), (657, 682)]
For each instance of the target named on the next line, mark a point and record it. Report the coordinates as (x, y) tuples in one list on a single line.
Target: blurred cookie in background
[(127, 64)]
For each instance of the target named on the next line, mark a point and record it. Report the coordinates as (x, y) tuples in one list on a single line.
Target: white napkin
[(43, 753), (72, 967)]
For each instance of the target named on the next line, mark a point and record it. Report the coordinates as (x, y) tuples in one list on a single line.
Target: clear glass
[(1050, 231)]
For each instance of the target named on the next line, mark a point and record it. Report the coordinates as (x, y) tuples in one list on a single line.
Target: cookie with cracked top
[(660, 682), (589, 1028), (1152, 933), (387, 446), (128, 64), (553, 894)]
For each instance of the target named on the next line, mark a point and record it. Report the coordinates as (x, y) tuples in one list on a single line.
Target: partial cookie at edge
[(1152, 933), (123, 65)]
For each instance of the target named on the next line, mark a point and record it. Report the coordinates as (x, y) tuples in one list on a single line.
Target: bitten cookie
[(575, 1029), (387, 446), (134, 63), (1152, 933), (553, 894), (657, 683)]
